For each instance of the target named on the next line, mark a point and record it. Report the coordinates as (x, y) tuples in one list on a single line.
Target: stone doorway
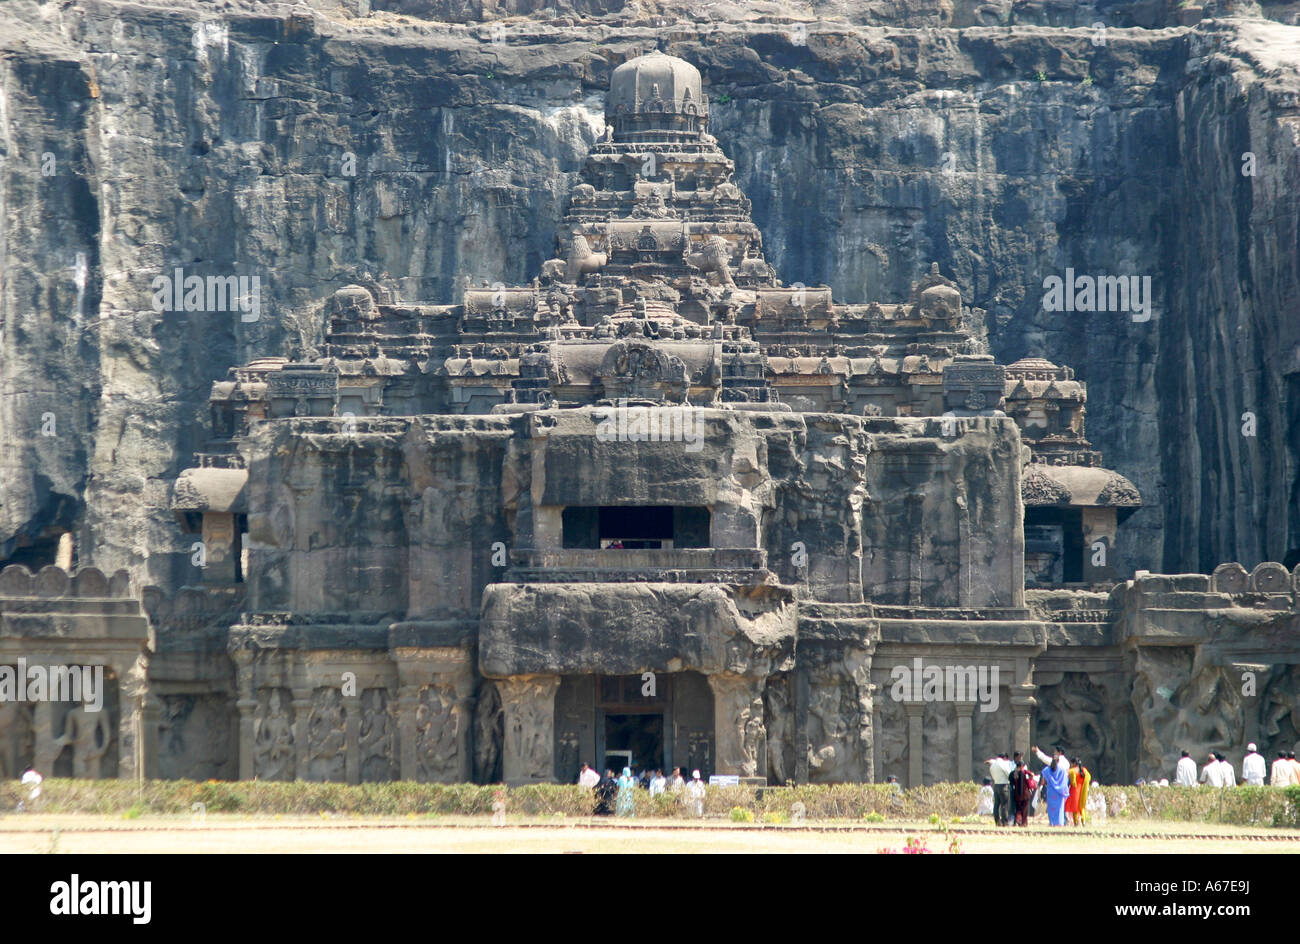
[(641, 735), (665, 724)]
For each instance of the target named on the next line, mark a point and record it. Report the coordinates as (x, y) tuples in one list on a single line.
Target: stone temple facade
[(655, 507)]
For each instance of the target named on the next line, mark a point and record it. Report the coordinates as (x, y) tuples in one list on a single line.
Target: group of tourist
[(1218, 771), (615, 794), (1013, 792)]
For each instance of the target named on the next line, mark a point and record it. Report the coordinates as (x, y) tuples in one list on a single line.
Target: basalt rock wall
[(316, 147)]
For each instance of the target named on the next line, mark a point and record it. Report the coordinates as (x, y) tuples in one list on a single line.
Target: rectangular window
[(633, 527)]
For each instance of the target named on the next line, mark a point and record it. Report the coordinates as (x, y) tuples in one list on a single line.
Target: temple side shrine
[(659, 508)]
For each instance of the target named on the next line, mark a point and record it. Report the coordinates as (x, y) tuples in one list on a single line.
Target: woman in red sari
[(1075, 803)]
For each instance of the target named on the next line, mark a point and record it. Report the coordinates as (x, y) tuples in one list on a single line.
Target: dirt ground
[(60, 833)]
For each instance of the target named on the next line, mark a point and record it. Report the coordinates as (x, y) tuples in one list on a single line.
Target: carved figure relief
[(375, 739), (437, 749), (273, 757), (327, 737)]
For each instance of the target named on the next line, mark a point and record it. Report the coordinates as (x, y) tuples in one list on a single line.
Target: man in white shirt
[(1185, 773), (1283, 774), (1252, 767), (695, 793), (1210, 772), (658, 783), (1000, 768), (588, 778), (678, 783), (1225, 771), (1062, 763)]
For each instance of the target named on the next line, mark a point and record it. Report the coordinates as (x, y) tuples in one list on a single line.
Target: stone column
[(738, 723), (43, 731), (915, 742), (301, 719), (965, 710), (132, 689), (528, 703), (246, 705), (408, 703), (1023, 704), (352, 722), (463, 713), (1022, 712)]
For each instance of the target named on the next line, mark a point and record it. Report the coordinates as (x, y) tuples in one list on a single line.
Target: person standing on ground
[(1077, 804), (1000, 768), (678, 783), (605, 794), (984, 804), (658, 783), (695, 793), (587, 777), (626, 788), (1280, 776), (1056, 785), (1252, 767), (1225, 770), (1185, 773), (1021, 787), (1210, 775)]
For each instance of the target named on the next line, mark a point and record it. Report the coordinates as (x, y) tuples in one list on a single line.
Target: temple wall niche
[(1079, 715), (195, 738)]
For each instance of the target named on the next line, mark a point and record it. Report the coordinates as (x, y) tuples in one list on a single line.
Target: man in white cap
[(695, 793), (1252, 767)]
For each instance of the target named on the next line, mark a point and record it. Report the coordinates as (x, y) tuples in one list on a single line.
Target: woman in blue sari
[(1056, 789), (626, 786)]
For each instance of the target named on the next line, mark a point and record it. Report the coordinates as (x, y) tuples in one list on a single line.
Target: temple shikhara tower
[(658, 507)]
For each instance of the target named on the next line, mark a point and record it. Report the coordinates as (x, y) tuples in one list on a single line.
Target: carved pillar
[(1022, 707), (965, 709), (408, 703), (1022, 713), (463, 714), (43, 730), (1251, 732), (301, 722), (247, 707), (528, 703), (739, 728), (915, 742), (131, 692), (352, 720)]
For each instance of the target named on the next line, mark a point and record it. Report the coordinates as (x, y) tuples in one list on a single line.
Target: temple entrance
[(654, 720), (634, 741)]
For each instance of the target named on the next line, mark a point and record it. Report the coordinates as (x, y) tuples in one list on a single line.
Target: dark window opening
[(1054, 544), (633, 527), (34, 555), (635, 741)]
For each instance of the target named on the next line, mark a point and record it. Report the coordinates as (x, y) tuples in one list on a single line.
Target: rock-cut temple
[(656, 507)]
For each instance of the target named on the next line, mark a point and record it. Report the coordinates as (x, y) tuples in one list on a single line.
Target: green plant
[(873, 817), (724, 99), (1040, 75), (741, 815), (774, 816)]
